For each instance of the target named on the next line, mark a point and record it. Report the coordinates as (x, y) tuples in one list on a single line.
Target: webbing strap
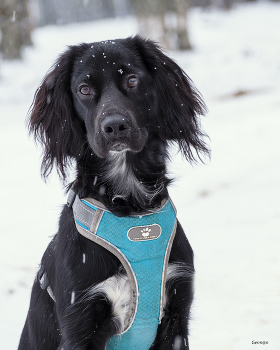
[(83, 214)]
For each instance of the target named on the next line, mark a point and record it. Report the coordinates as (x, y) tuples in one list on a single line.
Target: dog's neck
[(124, 182), (119, 173)]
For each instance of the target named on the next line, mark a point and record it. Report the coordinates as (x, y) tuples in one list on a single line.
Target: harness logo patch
[(144, 233)]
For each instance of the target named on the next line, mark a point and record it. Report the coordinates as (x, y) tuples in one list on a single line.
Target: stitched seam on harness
[(82, 219), (85, 208)]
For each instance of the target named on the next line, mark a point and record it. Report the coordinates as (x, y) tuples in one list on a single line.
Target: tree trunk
[(164, 21), (182, 7), (15, 28)]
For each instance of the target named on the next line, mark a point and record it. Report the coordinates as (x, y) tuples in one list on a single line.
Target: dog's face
[(116, 97), (112, 91)]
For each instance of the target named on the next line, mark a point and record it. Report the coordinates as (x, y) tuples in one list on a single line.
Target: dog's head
[(110, 87), (115, 96)]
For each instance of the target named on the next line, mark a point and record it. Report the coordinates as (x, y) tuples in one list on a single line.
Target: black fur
[(99, 101)]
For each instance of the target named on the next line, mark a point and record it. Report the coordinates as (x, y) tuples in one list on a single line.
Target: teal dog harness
[(142, 244)]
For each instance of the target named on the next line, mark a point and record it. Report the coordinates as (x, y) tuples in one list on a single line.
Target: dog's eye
[(132, 82), (85, 90)]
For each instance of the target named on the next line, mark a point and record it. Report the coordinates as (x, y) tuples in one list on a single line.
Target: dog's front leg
[(86, 325), (172, 333), (80, 264)]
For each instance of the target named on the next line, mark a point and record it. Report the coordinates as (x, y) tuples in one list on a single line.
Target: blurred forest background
[(162, 20)]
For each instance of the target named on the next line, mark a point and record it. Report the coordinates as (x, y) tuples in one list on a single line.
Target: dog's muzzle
[(118, 132), (116, 129), (115, 126)]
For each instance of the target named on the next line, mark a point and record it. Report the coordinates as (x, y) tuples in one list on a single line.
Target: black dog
[(111, 108)]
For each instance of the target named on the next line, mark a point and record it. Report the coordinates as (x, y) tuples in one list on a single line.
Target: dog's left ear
[(52, 118), (179, 102)]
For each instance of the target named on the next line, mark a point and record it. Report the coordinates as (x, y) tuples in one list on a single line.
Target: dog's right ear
[(52, 117), (179, 103)]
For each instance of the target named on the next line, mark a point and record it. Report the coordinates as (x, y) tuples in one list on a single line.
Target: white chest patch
[(117, 290), (121, 176)]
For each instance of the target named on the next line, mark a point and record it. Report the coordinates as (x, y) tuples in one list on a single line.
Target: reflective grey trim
[(173, 206), (165, 265), (95, 203), (101, 206), (96, 220), (83, 213)]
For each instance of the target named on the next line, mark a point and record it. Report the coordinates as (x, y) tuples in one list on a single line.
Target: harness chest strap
[(142, 244)]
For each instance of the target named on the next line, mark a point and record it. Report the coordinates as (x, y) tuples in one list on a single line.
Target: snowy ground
[(229, 208)]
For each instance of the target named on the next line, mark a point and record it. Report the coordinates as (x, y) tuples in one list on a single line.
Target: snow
[(229, 207), (73, 296)]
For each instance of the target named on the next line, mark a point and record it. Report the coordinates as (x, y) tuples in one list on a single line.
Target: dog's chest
[(142, 244)]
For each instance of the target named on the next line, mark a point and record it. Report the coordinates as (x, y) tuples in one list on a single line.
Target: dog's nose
[(116, 125)]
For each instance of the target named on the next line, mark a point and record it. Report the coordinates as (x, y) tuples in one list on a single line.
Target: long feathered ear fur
[(52, 117), (179, 102)]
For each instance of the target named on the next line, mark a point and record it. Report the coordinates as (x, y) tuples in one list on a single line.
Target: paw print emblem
[(146, 232)]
